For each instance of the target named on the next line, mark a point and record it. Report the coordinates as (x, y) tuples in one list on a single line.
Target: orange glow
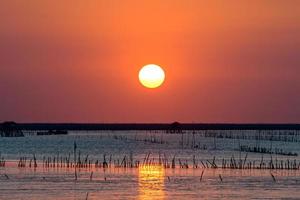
[(151, 183), (87, 54)]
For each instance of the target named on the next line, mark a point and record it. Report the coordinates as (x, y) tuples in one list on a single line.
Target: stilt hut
[(10, 129)]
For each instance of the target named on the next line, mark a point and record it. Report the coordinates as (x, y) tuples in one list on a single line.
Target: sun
[(151, 76)]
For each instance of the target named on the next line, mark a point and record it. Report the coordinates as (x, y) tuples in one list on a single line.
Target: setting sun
[(151, 76)]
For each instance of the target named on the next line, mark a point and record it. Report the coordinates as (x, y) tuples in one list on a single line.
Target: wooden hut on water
[(10, 129), (174, 128)]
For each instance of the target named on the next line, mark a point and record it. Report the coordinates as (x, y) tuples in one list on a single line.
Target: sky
[(233, 61)]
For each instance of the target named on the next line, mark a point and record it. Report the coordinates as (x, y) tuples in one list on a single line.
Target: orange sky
[(78, 61)]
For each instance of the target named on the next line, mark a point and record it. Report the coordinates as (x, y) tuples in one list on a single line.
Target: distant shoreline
[(154, 126)]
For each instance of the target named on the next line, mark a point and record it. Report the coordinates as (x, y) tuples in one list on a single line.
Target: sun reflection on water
[(151, 183)]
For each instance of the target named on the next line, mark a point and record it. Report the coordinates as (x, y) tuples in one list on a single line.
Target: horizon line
[(154, 126)]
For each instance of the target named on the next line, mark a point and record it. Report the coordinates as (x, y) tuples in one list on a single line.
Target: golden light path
[(151, 183), (151, 76)]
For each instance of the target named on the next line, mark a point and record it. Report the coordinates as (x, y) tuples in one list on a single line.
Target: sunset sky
[(78, 60)]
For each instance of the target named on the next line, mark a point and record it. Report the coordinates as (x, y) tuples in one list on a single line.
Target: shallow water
[(148, 183), (152, 182), (120, 143)]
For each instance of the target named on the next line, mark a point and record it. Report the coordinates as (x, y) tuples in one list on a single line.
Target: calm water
[(145, 182)]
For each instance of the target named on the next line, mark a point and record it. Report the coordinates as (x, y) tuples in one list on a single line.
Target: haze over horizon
[(78, 61)]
